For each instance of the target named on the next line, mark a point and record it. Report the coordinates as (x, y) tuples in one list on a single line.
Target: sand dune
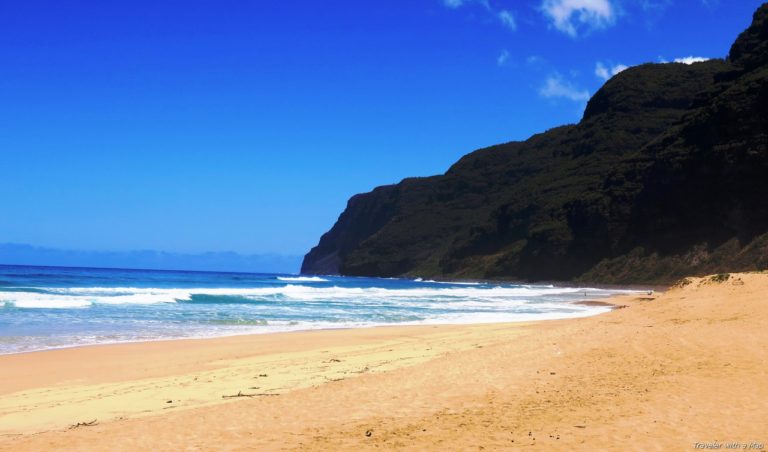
[(666, 372)]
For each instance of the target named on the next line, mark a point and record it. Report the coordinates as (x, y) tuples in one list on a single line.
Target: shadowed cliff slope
[(665, 175)]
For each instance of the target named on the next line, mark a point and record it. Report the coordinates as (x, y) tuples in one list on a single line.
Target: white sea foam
[(430, 297), (86, 315), (42, 301), (432, 281), (191, 331), (301, 279)]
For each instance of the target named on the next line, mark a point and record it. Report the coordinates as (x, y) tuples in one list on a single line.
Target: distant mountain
[(15, 254), (665, 175)]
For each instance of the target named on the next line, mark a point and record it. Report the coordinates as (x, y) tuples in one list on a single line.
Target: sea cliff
[(665, 175)]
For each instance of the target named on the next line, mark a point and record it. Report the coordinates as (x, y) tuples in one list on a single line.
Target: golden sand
[(689, 366)]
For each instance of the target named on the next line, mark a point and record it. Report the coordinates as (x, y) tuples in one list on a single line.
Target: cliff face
[(666, 174)]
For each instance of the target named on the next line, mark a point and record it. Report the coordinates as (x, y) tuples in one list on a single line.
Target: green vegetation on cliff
[(665, 175)]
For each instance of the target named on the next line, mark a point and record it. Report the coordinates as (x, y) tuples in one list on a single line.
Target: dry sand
[(664, 373)]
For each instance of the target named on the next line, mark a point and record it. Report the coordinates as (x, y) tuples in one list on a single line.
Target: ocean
[(53, 307)]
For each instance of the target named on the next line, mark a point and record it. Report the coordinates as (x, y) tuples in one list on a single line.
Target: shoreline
[(612, 302), (662, 373), (53, 367), (591, 303), (223, 363), (245, 335)]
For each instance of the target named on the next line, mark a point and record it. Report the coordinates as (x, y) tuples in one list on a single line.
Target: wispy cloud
[(606, 72), (507, 18), (503, 57), (654, 5), (690, 60), (534, 60), (570, 16), (453, 4), (556, 87)]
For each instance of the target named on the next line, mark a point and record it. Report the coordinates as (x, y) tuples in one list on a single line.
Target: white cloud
[(654, 5), (534, 60), (618, 68), (505, 16), (503, 57), (690, 60), (568, 15), (507, 19), (555, 86), (453, 4), (605, 72)]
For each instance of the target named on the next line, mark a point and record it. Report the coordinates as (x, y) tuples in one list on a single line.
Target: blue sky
[(246, 125)]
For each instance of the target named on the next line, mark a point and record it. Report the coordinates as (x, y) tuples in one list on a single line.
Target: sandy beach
[(664, 372)]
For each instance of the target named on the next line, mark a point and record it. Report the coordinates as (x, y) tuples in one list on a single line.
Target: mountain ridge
[(226, 261), (664, 175)]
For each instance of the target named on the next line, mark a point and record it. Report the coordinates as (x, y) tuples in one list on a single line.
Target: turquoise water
[(52, 307)]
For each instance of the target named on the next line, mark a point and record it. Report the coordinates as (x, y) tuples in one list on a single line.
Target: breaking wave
[(82, 297), (301, 279), (71, 307)]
